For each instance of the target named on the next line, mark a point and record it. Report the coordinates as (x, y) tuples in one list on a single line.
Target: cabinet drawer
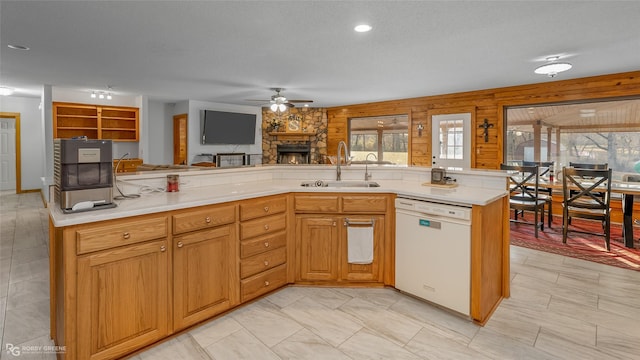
[(262, 207), (261, 226), (203, 218), (262, 262), (263, 282), (364, 204), (262, 244), (316, 203), (118, 233)]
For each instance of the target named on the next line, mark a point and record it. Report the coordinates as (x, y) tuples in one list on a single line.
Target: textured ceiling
[(229, 51)]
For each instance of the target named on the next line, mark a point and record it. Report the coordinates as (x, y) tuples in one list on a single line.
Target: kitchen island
[(125, 278)]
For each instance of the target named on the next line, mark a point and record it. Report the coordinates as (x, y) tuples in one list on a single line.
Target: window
[(385, 136), (594, 132), (451, 139)]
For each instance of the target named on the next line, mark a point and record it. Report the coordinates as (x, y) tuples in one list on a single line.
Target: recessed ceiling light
[(17, 47), (4, 91), (362, 28)]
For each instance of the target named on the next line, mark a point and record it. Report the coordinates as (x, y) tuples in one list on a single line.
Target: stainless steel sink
[(342, 183)]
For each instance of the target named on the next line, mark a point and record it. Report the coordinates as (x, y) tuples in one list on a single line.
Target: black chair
[(546, 193), (630, 178), (523, 196), (603, 166), (586, 200)]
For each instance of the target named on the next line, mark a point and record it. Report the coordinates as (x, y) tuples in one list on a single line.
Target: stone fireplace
[(294, 153), (307, 146)]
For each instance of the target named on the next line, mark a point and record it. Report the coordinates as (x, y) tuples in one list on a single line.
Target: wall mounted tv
[(219, 127)]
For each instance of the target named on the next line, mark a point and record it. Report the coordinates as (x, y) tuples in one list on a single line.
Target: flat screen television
[(220, 127)]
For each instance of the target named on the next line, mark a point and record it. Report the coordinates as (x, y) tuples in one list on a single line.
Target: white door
[(7, 154), (451, 142)]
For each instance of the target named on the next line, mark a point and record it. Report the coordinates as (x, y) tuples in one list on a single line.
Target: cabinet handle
[(266, 209), (126, 235), (163, 248), (266, 244), (180, 244), (266, 263), (266, 283), (266, 226), (207, 219)]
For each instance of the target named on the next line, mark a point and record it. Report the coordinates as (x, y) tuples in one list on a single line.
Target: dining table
[(627, 189)]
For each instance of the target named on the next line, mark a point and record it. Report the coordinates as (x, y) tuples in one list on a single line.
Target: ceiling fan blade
[(288, 104), (300, 101), (256, 100)]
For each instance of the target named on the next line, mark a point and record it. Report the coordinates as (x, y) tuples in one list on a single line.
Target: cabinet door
[(363, 272), (122, 299), (318, 247), (203, 271)]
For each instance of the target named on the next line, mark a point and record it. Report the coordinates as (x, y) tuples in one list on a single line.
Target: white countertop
[(200, 193)]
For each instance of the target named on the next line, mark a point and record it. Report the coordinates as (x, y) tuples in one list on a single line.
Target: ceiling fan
[(280, 103)]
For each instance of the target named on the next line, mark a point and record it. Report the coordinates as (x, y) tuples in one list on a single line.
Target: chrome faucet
[(367, 175), (341, 145)]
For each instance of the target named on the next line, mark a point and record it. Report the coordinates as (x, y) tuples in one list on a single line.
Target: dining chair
[(631, 178), (523, 196), (602, 166), (546, 193), (582, 199)]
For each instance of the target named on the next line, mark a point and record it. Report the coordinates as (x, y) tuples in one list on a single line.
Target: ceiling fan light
[(282, 107), (274, 107), (553, 68)]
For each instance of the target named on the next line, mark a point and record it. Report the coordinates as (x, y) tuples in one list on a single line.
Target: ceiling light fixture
[(553, 67), (93, 94), (278, 107), (362, 28), (101, 96), (6, 91), (17, 47)]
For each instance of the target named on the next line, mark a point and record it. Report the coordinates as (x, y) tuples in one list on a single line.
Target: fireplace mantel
[(291, 136)]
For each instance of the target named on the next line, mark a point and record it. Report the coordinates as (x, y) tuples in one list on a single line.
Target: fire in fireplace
[(294, 153)]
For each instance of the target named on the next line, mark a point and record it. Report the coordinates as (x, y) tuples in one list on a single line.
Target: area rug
[(581, 246)]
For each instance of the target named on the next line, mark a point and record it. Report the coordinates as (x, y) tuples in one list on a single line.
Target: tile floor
[(560, 308)]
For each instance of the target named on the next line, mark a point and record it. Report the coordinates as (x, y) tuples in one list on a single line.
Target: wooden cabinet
[(204, 263), (263, 250), (318, 247), (122, 300), (127, 165), (322, 228), (95, 122), (203, 274), (363, 272)]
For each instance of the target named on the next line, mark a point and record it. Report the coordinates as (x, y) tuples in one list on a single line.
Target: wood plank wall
[(483, 104)]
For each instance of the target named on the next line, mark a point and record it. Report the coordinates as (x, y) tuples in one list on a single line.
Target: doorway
[(451, 140), (10, 152), (180, 139)]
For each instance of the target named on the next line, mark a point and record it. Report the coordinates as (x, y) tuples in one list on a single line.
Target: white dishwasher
[(433, 252)]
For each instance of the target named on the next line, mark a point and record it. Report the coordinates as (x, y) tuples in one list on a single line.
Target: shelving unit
[(95, 122)]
